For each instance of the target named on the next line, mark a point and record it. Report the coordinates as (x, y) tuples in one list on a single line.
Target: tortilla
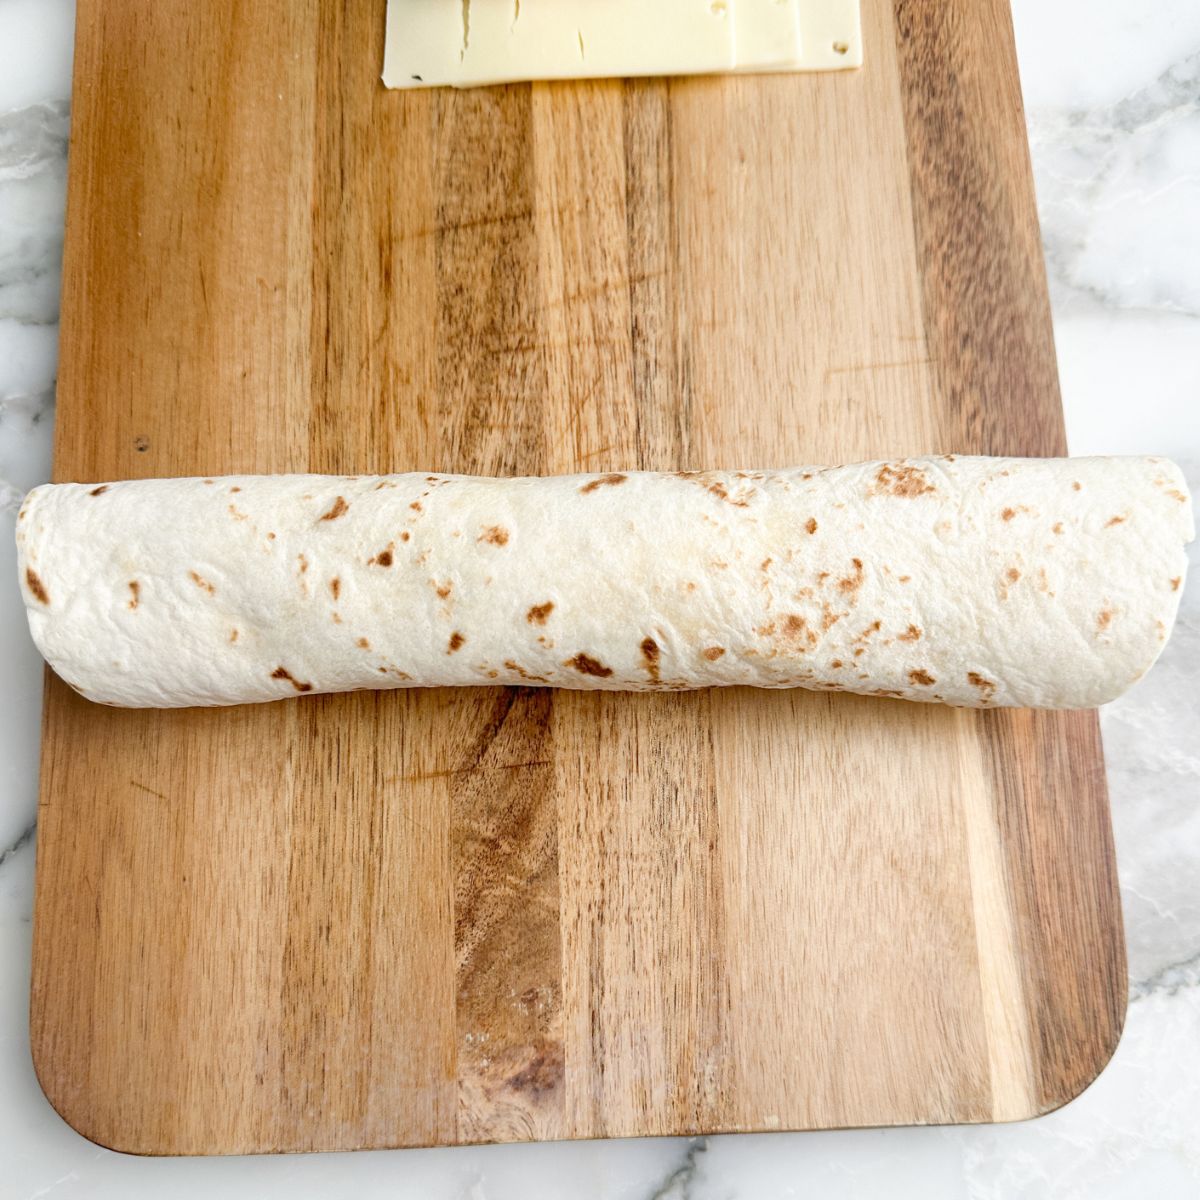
[(968, 581)]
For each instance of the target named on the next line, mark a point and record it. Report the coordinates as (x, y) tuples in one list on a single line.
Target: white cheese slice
[(476, 43), (830, 35), (437, 42), (766, 35)]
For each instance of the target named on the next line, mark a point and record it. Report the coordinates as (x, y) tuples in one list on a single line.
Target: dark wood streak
[(1052, 803), (490, 367), (986, 308), (661, 409), (507, 943)]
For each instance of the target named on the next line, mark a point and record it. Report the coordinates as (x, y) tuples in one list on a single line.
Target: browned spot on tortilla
[(829, 618), (209, 481), (363, 644), (1077, 486), (1044, 582), (921, 678), (335, 587), (1176, 582), (1057, 527), (905, 578), (902, 480), (405, 536), (99, 491), (233, 635), (718, 489), (1012, 575), (382, 559), (517, 669), (497, 535), (811, 525), (890, 693), (1114, 521), (36, 586), (1008, 514), (851, 583), (337, 509), (270, 537), (416, 506), (445, 590), (456, 642), (602, 481), (284, 673), (911, 634), (303, 563), (714, 652), (1104, 618), (766, 562), (134, 589), (836, 665), (986, 686), (796, 629), (201, 582), (539, 612), (690, 586), (236, 513), (650, 656), (234, 489), (586, 665), (1176, 494)]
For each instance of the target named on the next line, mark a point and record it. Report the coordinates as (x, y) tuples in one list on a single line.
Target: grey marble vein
[(26, 836), (33, 163), (678, 1184), (1106, 177)]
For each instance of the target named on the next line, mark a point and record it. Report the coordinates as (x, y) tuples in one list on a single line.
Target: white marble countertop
[(1115, 130)]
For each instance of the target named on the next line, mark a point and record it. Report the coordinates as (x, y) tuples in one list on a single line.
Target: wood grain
[(484, 915)]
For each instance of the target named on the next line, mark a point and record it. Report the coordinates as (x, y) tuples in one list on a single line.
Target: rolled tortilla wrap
[(969, 581)]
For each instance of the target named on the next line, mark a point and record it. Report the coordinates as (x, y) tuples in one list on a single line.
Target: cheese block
[(434, 43)]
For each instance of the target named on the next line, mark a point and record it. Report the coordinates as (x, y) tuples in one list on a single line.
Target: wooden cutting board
[(461, 916)]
